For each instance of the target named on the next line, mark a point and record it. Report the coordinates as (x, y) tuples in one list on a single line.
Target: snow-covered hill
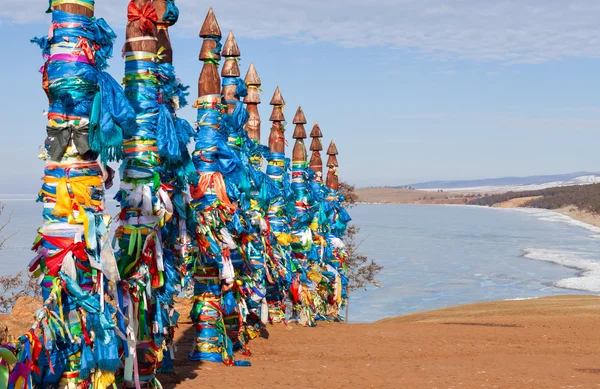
[(512, 183)]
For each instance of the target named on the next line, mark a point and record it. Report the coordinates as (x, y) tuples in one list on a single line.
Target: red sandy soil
[(544, 343)]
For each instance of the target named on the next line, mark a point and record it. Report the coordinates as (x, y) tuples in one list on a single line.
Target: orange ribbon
[(84, 45), (214, 180)]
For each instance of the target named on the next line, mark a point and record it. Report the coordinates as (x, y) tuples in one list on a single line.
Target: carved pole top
[(277, 98), (210, 27), (252, 76), (277, 102), (332, 150), (316, 132), (299, 118), (230, 49), (277, 137)]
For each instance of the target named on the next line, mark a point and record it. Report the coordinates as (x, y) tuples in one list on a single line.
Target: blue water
[(433, 256)]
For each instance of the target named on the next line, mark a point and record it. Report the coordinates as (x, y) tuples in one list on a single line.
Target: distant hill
[(511, 183)]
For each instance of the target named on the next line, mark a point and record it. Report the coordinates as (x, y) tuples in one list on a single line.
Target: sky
[(411, 90)]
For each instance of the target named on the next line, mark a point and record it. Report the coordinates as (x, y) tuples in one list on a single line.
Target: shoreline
[(585, 219), (579, 215)]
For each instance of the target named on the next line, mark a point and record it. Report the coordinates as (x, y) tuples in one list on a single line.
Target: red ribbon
[(36, 348), (146, 16), (54, 262), (295, 290), (149, 257)]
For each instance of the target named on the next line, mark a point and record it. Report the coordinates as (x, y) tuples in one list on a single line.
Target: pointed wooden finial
[(332, 163), (252, 100), (299, 152), (316, 163), (209, 82), (252, 76), (299, 121), (230, 49), (316, 132), (231, 52), (299, 118), (253, 83), (277, 98), (277, 102), (332, 150), (210, 27), (277, 137)]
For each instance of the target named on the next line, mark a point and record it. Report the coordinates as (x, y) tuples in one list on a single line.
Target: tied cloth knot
[(80, 187), (146, 16), (54, 262)]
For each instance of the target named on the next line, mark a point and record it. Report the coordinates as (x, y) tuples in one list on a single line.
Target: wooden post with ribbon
[(277, 214), (74, 259)]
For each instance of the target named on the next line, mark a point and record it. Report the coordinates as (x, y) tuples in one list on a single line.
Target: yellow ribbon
[(136, 55), (81, 189), (284, 239), (103, 379), (81, 3), (254, 87), (82, 194), (277, 162)]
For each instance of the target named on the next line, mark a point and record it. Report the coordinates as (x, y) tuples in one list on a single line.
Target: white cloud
[(507, 31)]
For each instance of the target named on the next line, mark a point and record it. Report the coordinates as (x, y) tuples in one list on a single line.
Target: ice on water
[(434, 256), (440, 256)]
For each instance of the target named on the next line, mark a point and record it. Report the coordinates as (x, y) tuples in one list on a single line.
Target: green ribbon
[(9, 358)]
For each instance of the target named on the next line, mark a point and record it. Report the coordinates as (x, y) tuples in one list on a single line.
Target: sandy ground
[(515, 203), (409, 196), (584, 216), (543, 343)]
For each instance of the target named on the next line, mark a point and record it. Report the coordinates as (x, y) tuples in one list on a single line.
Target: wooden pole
[(141, 46), (332, 164), (211, 276), (209, 82), (316, 163), (276, 215), (299, 151), (162, 31), (277, 137), (231, 52), (252, 100)]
